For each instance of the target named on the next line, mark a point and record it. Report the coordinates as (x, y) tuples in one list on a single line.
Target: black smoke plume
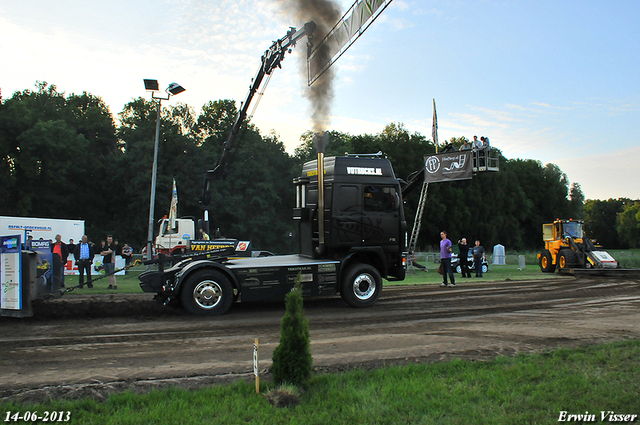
[(325, 13)]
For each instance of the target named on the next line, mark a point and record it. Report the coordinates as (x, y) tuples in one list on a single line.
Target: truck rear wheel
[(546, 262), (361, 285), (207, 292)]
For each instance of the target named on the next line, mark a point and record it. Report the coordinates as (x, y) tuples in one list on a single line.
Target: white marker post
[(255, 365)]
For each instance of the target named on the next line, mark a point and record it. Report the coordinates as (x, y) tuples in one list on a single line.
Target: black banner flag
[(448, 166)]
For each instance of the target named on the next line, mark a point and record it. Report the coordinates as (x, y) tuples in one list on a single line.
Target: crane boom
[(270, 60)]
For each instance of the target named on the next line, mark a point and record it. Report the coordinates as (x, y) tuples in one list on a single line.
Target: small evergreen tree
[(292, 361)]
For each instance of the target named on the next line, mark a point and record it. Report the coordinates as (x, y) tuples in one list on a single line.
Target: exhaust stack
[(321, 140)]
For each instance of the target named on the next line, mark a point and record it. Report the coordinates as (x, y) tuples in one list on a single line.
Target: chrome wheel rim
[(207, 294), (364, 286)]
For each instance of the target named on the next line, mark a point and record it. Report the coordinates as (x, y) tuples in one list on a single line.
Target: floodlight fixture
[(151, 85), (175, 88)]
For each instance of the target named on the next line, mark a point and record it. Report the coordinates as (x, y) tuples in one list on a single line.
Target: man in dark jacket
[(463, 255), (59, 260), (478, 255), (84, 258)]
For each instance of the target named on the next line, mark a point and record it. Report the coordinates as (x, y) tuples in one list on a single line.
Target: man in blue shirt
[(445, 259)]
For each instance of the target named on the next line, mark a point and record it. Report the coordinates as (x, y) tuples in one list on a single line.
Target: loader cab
[(563, 229), (571, 229), (363, 206)]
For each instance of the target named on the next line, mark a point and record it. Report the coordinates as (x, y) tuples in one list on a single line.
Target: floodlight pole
[(154, 177), (174, 88)]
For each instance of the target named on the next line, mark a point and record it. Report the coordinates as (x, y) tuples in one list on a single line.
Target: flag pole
[(434, 128)]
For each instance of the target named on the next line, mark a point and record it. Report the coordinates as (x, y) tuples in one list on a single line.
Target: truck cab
[(174, 238), (364, 216)]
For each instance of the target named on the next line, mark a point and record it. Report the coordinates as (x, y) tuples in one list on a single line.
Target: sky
[(555, 81)]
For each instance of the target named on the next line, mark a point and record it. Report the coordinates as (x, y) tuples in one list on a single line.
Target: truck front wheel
[(361, 285), (207, 292)]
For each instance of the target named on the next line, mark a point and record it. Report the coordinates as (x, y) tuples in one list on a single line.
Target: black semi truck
[(351, 228), (349, 238)]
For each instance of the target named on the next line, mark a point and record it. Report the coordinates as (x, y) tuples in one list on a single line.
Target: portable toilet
[(498, 255)]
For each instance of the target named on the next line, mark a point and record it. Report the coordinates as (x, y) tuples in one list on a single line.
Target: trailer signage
[(39, 244)]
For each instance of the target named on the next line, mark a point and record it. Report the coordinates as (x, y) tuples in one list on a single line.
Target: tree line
[(65, 156)]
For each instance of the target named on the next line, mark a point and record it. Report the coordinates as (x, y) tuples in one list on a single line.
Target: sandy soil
[(79, 346)]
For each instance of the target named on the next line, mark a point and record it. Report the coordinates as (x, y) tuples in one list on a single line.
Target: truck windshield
[(166, 230)]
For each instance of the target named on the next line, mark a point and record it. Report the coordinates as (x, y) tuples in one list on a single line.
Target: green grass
[(496, 273), (627, 258), (128, 283), (525, 389)]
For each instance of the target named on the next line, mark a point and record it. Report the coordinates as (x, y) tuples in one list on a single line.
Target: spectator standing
[(465, 145), (445, 259), (127, 253), (478, 255), (84, 258), (477, 144), (71, 247), (203, 235), (109, 261), (60, 254), (463, 255)]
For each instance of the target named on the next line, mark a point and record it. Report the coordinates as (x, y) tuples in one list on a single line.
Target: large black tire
[(207, 292), (546, 262), (361, 285), (566, 259)]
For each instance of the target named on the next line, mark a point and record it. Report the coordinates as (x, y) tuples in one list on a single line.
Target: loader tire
[(546, 262), (361, 285), (566, 259), (207, 292)]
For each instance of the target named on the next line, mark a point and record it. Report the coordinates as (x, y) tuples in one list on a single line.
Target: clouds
[(543, 80)]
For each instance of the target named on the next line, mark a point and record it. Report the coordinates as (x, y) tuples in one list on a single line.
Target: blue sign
[(44, 261), (10, 273)]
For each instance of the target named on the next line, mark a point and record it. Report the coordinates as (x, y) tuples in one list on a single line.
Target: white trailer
[(42, 228)]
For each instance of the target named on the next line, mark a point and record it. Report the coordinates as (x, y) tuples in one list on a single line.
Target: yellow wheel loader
[(568, 248)]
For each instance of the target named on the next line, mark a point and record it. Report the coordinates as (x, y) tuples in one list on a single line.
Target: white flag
[(173, 212)]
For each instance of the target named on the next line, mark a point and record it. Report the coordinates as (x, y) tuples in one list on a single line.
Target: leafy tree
[(576, 200), (628, 224), (337, 145), (53, 149), (178, 157), (61, 156), (601, 218)]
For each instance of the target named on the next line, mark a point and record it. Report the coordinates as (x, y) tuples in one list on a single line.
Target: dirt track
[(94, 345)]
